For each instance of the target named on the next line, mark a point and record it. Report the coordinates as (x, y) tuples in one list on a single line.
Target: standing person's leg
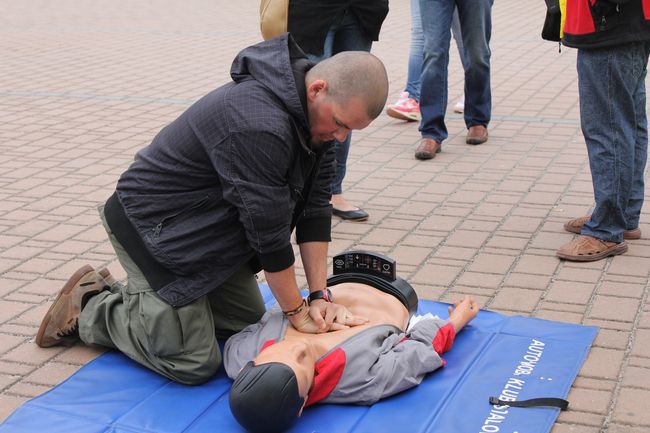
[(436, 24), (635, 202), (608, 85), (475, 18), (416, 53), (407, 106), (328, 46), (348, 36), (459, 107), (458, 38)]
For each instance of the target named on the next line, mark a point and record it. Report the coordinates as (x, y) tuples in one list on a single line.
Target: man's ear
[(316, 88)]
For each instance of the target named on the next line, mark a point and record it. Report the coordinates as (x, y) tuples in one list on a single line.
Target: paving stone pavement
[(84, 85)]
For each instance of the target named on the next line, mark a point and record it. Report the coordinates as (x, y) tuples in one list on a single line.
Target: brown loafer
[(590, 249), (61, 322), (476, 134), (575, 226), (427, 149)]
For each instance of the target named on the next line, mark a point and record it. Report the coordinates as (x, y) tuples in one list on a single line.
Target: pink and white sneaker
[(404, 109)]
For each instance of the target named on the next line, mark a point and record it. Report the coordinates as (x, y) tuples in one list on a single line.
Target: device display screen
[(366, 263)]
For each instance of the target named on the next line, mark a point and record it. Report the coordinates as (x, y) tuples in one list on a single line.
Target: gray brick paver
[(632, 407), (84, 85)]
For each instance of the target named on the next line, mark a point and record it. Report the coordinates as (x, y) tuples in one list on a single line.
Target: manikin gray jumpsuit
[(375, 363)]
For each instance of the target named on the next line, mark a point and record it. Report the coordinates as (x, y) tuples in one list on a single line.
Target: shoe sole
[(360, 219), (614, 251), (475, 141), (354, 220), (423, 156), (67, 288), (630, 235), (106, 275), (401, 116)]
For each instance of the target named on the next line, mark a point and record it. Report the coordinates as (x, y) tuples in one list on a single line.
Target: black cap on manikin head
[(265, 398)]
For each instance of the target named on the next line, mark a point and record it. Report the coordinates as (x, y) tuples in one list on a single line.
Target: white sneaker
[(460, 106)]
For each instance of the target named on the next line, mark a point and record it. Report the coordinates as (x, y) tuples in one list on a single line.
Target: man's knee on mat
[(193, 369)]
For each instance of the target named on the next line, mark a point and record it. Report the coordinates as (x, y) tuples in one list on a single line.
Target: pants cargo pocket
[(162, 328)]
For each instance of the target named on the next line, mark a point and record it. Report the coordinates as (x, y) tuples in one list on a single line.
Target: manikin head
[(270, 392), (344, 92)]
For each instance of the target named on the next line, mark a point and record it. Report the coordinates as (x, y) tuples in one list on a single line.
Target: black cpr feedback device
[(376, 270)]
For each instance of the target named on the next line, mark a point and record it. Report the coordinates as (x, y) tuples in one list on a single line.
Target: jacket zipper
[(159, 226)]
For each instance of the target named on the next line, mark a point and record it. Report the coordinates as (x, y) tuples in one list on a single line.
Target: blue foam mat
[(490, 357)]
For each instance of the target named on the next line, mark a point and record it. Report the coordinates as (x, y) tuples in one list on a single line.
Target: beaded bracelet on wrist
[(295, 311)]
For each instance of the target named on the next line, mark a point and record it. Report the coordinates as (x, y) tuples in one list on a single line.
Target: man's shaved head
[(353, 74)]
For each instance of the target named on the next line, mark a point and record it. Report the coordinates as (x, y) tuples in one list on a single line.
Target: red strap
[(328, 372)]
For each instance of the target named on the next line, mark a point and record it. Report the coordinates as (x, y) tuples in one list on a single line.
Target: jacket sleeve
[(252, 164), (252, 160), (403, 362), (316, 223)]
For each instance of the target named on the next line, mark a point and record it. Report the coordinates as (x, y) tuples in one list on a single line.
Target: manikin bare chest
[(362, 300)]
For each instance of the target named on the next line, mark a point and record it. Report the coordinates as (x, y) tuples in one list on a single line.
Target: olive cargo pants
[(178, 343)]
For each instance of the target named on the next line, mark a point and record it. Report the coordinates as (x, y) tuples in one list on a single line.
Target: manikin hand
[(462, 312)]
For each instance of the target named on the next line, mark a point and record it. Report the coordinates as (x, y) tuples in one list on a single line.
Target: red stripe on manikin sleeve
[(266, 344), (444, 339)]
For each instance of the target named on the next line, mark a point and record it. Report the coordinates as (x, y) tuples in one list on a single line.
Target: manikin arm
[(404, 359)]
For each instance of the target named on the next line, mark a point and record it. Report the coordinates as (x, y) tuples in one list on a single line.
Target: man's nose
[(341, 134)]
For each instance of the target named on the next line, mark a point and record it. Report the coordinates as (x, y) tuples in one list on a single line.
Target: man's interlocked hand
[(323, 316)]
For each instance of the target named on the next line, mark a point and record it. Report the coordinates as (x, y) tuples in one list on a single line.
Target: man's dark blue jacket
[(226, 183)]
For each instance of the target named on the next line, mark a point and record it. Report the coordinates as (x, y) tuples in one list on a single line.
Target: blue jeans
[(611, 84), (344, 35), (475, 18), (416, 50)]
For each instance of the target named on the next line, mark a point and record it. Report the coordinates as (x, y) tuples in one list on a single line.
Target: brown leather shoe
[(106, 275), (575, 226), (427, 149), (476, 134), (61, 322), (590, 249)]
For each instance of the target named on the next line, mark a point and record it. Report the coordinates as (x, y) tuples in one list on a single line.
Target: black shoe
[(351, 215)]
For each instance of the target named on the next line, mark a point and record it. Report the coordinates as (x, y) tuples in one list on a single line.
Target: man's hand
[(323, 316), (331, 316), (303, 322)]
